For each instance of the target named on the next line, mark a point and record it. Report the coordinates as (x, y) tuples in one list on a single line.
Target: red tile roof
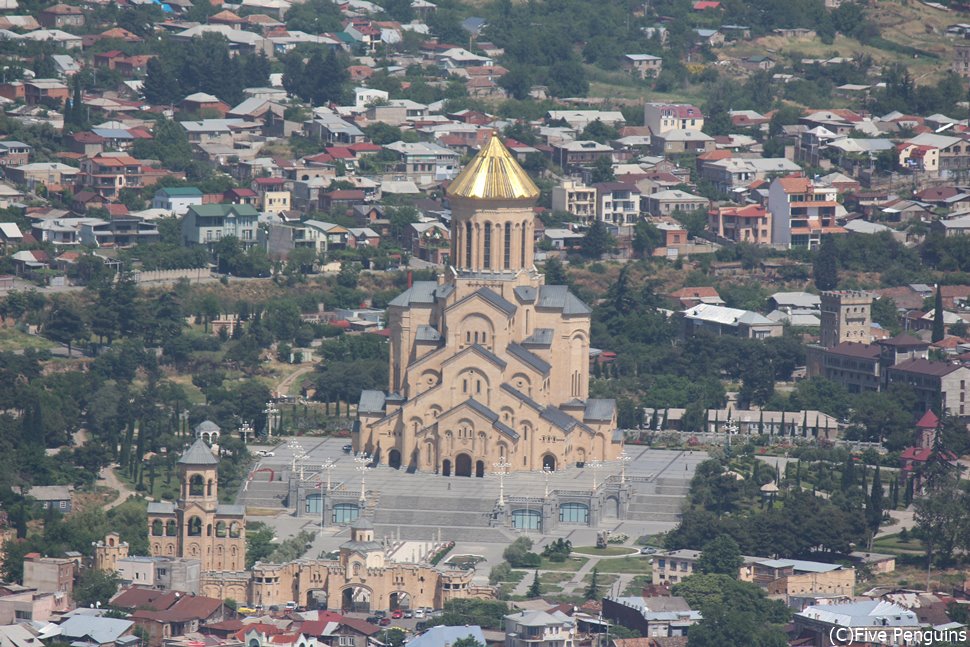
[(928, 421)]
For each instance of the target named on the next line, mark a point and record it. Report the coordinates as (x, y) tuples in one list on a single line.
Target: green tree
[(66, 325), (602, 170), (259, 542), (875, 504), (160, 86), (939, 331), (721, 556), (535, 589), (592, 591), (95, 587), (597, 241), (394, 637), (646, 238), (825, 267)]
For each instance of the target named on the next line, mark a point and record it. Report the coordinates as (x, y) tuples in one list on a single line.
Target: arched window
[(468, 244), (157, 528), (234, 530), (195, 527), (171, 529), (209, 490), (525, 241), (487, 252), (196, 485), (221, 529), (507, 240)]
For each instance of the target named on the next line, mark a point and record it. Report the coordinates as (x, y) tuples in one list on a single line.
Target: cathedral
[(488, 365), (198, 526)]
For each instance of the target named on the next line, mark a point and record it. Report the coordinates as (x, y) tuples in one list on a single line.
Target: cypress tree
[(825, 268), (535, 589), (939, 331), (876, 503)]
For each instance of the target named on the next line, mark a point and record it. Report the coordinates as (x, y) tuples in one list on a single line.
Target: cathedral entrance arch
[(316, 599), (355, 598), (463, 465), (611, 507), (446, 467), (394, 459), (400, 600), (549, 462), (479, 469)]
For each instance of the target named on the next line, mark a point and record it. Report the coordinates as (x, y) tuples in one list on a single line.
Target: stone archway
[(463, 465), (394, 459), (400, 600), (549, 462), (355, 599), (480, 469)]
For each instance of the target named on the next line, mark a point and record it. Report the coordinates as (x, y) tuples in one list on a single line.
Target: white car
[(264, 453), (419, 613)]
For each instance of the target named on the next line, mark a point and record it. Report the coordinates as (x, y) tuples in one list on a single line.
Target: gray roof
[(443, 635), (522, 397), (362, 523), (207, 426), (484, 352), (231, 510), (422, 292), (539, 337), (427, 333), (560, 298), (525, 293), (99, 630), (198, 454), (540, 618), (50, 492), (870, 613), (529, 358), (492, 417), (161, 507), (559, 418), (371, 402), (600, 410)]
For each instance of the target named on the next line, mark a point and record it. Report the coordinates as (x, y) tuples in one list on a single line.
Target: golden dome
[(494, 175)]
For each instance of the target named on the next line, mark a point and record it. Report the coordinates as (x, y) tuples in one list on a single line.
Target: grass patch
[(554, 578), (515, 577), (603, 580), (13, 339), (893, 544), (634, 565), (636, 584), (572, 564), (609, 551)]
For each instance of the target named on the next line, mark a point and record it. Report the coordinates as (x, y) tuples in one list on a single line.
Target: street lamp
[(546, 473), (595, 466), (327, 465), (362, 468), (502, 466), (624, 459), (298, 455), (270, 411)]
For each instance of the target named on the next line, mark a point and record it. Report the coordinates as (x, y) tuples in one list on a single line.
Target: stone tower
[(109, 551), (846, 316), (488, 364), (198, 526)]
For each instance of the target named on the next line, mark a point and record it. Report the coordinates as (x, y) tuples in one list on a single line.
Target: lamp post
[(624, 459), (502, 466), (298, 455), (595, 466), (244, 430), (270, 411), (362, 468), (546, 473), (327, 465)]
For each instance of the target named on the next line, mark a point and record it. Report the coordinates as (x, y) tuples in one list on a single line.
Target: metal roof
[(198, 454), (494, 174), (529, 358), (599, 409), (371, 402)]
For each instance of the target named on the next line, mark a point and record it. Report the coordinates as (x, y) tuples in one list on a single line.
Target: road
[(284, 385), (111, 480)]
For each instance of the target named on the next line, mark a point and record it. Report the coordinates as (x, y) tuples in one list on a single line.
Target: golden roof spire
[(494, 174)]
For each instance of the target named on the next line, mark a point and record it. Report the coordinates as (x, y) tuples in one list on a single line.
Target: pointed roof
[(928, 421), (198, 454), (494, 175)]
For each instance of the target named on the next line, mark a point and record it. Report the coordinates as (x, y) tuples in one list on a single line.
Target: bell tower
[(492, 220), (199, 476)]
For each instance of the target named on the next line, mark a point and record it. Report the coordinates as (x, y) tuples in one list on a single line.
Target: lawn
[(636, 584), (603, 580), (635, 565), (554, 578), (13, 339), (893, 544), (609, 551), (571, 564)]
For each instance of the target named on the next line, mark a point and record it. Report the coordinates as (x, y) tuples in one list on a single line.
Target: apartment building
[(748, 224), (575, 198), (617, 203), (940, 386), (206, 224), (663, 117), (108, 173), (801, 212)]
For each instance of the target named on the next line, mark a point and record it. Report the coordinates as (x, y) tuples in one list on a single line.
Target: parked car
[(381, 614), (648, 550), (348, 448), (409, 614), (397, 614), (419, 613), (265, 452), (373, 620), (384, 622)]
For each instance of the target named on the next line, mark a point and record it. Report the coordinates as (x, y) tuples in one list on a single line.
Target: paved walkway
[(111, 480)]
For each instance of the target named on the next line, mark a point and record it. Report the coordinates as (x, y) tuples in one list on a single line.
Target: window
[(524, 241), (507, 240), (468, 244), (195, 527), (157, 528), (196, 485), (23, 615), (487, 256)]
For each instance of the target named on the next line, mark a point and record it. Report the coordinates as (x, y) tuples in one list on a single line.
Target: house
[(61, 16), (643, 65), (801, 212), (659, 616), (679, 142), (670, 202), (425, 163), (748, 224), (56, 497), (176, 200), (539, 629), (430, 241), (169, 614), (818, 622), (108, 173), (14, 153), (562, 239), (720, 320), (26, 262), (957, 226), (617, 203), (98, 631), (396, 112), (10, 235), (935, 154), (575, 198), (662, 117), (199, 101), (689, 297), (120, 230), (49, 574), (25, 605), (362, 237), (50, 92), (206, 224), (579, 153), (729, 173)]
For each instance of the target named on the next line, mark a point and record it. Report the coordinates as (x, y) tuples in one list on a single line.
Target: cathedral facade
[(197, 526), (488, 365)]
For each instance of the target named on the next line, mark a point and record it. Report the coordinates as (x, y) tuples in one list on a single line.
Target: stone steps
[(443, 518), (430, 532), (434, 503)]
